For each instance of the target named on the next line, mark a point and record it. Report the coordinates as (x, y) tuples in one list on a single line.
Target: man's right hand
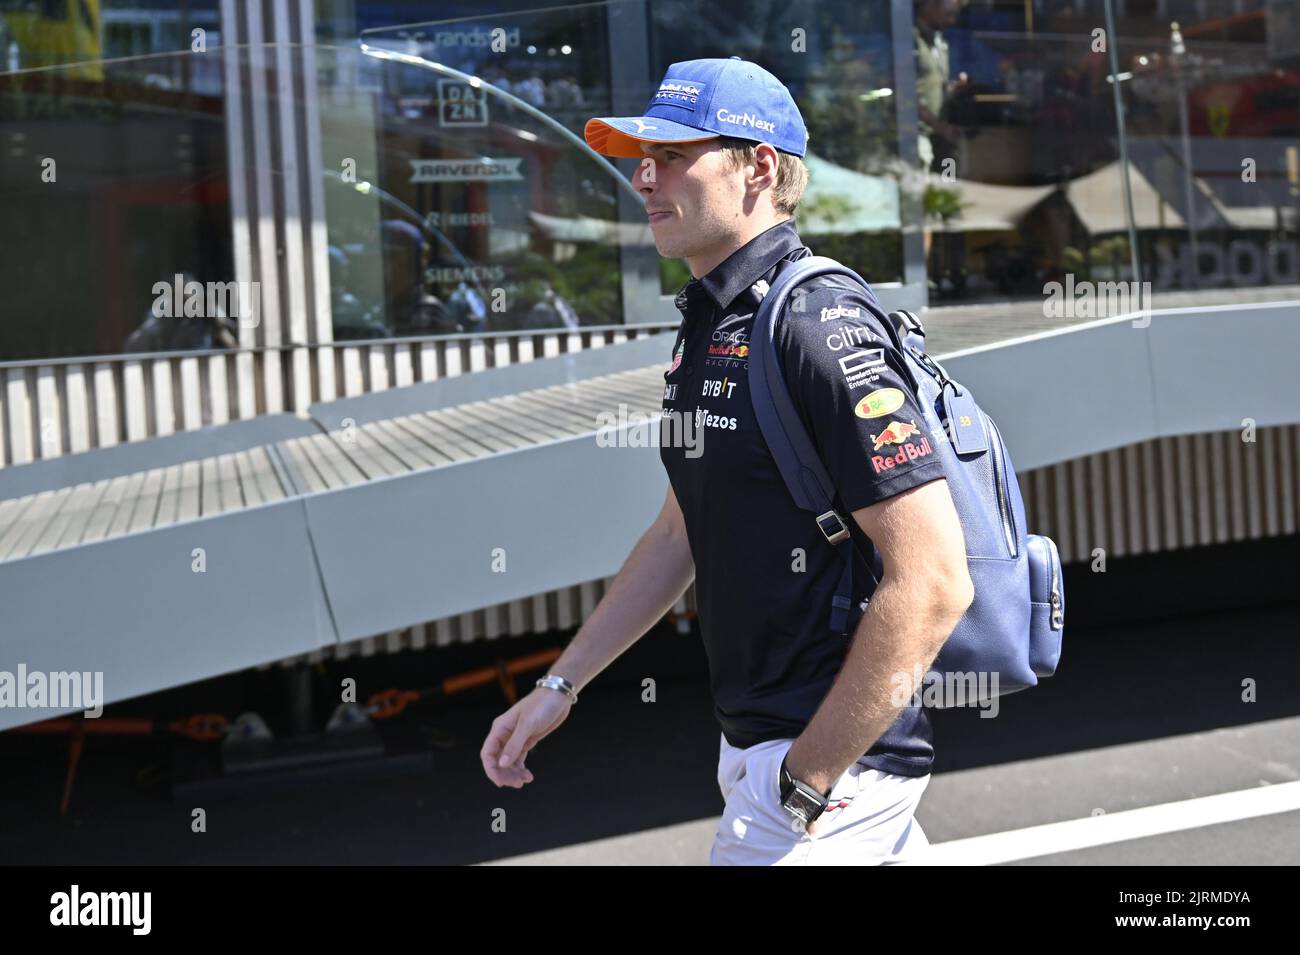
[(516, 731)]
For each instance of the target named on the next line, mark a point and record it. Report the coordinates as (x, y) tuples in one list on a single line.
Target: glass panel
[(1026, 183), (1212, 98), (482, 147), (448, 202)]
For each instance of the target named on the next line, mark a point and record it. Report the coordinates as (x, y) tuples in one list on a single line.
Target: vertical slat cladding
[(1061, 509), (77, 402), (1288, 463), (1221, 449), (1079, 508), (1099, 529), (1152, 496), (353, 381), (1238, 493), (493, 624), (477, 354), (1248, 505), (1267, 478), (403, 368), (49, 413), (454, 358), (1131, 521), (1184, 469), (246, 383), (378, 358), (419, 636), (429, 360), (164, 407), (1205, 488), (5, 457), (217, 390), (192, 394), (327, 384), (133, 400), (1116, 539), (107, 407), (1291, 477), (18, 398)]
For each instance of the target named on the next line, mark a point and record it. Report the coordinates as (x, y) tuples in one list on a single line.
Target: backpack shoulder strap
[(796, 457)]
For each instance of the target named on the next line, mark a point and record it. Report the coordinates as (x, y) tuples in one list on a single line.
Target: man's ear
[(767, 162)]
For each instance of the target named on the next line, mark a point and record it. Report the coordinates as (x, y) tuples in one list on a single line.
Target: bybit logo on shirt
[(714, 387)]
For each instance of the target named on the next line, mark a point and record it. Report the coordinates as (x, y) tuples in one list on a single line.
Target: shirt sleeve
[(852, 392)]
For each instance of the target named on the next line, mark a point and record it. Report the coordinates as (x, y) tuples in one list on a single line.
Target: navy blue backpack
[(1013, 627)]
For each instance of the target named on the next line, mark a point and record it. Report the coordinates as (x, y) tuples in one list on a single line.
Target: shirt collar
[(748, 264)]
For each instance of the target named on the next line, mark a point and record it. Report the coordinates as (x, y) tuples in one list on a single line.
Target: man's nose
[(642, 180)]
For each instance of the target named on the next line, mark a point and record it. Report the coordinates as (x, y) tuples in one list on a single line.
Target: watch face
[(802, 803)]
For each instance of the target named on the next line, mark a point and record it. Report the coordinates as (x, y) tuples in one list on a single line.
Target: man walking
[(821, 759)]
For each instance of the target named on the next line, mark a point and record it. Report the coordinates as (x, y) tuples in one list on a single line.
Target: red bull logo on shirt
[(729, 351), (900, 433), (896, 432)]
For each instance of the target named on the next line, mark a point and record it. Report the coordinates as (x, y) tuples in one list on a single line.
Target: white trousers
[(868, 820)]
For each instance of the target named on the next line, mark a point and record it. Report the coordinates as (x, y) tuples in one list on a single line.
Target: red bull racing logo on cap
[(900, 433), (679, 93)]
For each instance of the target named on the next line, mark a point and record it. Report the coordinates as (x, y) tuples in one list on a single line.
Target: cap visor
[(623, 135)]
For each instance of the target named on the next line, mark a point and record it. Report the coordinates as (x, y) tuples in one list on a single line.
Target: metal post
[(1112, 46)]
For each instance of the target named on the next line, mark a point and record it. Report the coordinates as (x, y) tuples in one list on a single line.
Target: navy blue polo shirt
[(764, 573)]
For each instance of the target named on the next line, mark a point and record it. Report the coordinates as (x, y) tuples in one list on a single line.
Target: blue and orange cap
[(705, 99)]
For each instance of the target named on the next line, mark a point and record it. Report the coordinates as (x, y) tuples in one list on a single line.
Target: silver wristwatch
[(553, 682)]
